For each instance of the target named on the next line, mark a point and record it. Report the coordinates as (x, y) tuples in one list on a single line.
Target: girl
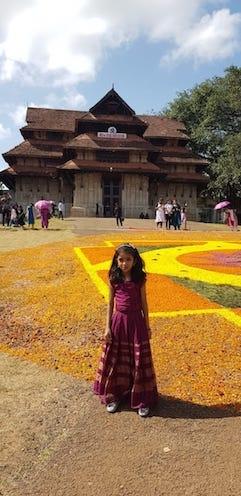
[(126, 361)]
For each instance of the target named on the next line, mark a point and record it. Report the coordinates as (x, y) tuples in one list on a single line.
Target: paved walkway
[(59, 231), (90, 225)]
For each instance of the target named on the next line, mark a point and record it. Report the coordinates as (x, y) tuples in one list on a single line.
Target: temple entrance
[(111, 193)]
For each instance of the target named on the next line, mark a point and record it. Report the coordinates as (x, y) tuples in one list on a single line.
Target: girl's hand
[(107, 335)]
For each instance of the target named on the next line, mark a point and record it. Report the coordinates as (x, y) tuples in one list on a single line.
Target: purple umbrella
[(43, 205), (221, 204)]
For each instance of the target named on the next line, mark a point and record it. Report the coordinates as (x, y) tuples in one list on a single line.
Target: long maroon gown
[(126, 363)]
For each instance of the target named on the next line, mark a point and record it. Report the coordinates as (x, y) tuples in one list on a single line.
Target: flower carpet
[(53, 309)]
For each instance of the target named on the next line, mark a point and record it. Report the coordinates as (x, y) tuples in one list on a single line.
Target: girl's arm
[(110, 308), (145, 308)]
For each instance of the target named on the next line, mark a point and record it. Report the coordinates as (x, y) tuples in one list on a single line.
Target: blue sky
[(149, 50)]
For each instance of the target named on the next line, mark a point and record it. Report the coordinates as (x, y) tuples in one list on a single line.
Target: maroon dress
[(126, 363)]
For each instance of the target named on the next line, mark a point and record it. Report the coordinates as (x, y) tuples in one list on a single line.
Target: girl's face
[(125, 261)]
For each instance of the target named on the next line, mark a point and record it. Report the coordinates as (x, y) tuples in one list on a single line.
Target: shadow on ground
[(171, 407)]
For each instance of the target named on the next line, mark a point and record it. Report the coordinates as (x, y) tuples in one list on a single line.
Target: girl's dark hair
[(138, 273)]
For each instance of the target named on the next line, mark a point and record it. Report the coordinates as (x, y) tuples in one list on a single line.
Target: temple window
[(181, 143), (69, 154), (54, 136), (110, 156), (40, 134)]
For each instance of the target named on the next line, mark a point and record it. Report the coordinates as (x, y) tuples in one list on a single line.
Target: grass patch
[(141, 249), (225, 295)]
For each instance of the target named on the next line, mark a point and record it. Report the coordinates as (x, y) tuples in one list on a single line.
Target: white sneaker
[(112, 407), (143, 412)]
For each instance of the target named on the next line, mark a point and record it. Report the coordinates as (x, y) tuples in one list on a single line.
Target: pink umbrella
[(43, 205), (222, 204)]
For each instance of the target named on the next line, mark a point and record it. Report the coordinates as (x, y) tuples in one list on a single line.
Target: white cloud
[(19, 115), (213, 37), (74, 100), (4, 132), (68, 40)]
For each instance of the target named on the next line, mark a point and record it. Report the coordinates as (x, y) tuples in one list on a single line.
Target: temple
[(105, 155)]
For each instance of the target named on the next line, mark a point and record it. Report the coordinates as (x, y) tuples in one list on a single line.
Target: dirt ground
[(58, 440)]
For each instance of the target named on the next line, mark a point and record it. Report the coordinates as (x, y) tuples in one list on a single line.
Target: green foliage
[(142, 249), (211, 112), (227, 169)]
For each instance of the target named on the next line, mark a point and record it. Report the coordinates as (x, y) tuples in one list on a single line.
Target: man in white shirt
[(61, 209)]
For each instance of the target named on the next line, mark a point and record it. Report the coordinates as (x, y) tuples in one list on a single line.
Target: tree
[(211, 112), (227, 169)]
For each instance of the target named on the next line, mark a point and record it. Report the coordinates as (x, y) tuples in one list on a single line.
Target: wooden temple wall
[(183, 192), (138, 194), (87, 193), (135, 195), (29, 189)]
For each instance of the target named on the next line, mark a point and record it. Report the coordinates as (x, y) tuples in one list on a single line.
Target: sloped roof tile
[(92, 141), (163, 127), (114, 167), (27, 149), (65, 120)]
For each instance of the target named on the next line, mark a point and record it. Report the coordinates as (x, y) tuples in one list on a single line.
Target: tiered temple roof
[(57, 136)]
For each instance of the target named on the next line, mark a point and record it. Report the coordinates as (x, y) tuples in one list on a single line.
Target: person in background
[(232, 219), (53, 212), (168, 213), (118, 214), (6, 213), (184, 217), (61, 209), (21, 216), (45, 216), (13, 216), (97, 209), (176, 215), (160, 214), (30, 215)]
